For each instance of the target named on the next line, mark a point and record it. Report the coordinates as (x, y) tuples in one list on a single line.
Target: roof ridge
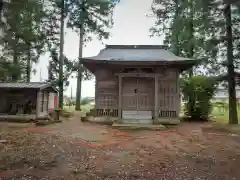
[(136, 47)]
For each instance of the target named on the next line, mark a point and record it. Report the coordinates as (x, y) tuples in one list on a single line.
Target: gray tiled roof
[(136, 53), (32, 85)]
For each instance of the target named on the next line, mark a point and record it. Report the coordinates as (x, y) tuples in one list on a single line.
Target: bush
[(198, 91), (85, 101)]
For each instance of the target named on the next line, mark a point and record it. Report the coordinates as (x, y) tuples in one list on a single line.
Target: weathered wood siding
[(138, 92), (169, 93), (106, 93)]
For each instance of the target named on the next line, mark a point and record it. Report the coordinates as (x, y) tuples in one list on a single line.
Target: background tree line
[(199, 29), (30, 29), (203, 29)]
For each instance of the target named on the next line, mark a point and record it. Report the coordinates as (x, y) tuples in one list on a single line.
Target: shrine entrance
[(137, 98)]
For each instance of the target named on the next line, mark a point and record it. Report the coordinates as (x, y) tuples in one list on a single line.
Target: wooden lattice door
[(129, 96), (145, 93), (137, 98)]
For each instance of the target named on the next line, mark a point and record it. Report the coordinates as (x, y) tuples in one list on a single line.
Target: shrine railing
[(114, 113), (104, 112), (167, 113), (107, 112)]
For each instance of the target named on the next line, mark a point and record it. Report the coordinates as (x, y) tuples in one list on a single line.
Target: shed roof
[(31, 85), (138, 53)]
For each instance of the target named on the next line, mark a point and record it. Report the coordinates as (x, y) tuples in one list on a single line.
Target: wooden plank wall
[(106, 90), (169, 93)]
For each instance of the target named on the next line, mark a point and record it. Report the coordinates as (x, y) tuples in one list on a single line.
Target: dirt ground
[(76, 150)]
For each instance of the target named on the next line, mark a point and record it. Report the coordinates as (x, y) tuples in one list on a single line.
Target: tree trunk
[(191, 31), (233, 118), (79, 76), (1, 9), (15, 72), (176, 48), (29, 64), (192, 98), (61, 58)]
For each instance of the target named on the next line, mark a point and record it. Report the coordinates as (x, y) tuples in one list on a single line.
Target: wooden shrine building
[(137, 82), (27, 101)]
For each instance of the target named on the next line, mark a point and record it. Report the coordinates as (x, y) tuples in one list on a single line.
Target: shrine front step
[(137, 121), (138, 126)]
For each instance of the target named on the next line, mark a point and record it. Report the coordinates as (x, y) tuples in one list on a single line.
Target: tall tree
[(175, 24), (1, 9), (61, 57), (21, 35), (185, 25), (69, 67), (205, 29), (33, 35), (88, 17), (228, 41), (54, 29), (233, 118)]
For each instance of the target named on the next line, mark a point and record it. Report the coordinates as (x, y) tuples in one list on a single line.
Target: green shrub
[(198, 91), (85, 101)]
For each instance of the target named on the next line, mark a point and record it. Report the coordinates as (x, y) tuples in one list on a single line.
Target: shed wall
[(52, 102), (42, 103), (17, 97)]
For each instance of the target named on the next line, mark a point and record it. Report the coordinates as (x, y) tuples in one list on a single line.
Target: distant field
[(85, 108), (220, 114)]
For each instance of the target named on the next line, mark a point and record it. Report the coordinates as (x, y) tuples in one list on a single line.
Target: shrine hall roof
[(138, 53)]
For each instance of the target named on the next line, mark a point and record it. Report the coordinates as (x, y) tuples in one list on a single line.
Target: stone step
[(139, 126)]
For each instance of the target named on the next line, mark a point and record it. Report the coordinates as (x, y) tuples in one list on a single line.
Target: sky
[(131, 27)]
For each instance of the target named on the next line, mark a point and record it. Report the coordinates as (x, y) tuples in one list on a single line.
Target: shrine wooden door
[(137, 98)]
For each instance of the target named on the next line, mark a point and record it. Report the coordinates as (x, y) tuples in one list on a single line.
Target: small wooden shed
[(137, 82), (27, 100)]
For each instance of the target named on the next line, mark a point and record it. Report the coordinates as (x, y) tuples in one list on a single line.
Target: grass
[(221, 115), (85, 108)]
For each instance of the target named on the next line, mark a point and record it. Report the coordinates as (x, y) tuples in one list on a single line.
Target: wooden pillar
[(38, 103), (179, 97), (156, 106), (120, 97)]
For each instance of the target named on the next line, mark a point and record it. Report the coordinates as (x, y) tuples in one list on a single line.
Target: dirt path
[(75, 150)]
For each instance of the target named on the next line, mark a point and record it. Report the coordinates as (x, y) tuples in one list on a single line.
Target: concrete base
[(100, 120), (139, 126), (163, 121), (136, 121), (110, 120), (167, 121), (18, 118)]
